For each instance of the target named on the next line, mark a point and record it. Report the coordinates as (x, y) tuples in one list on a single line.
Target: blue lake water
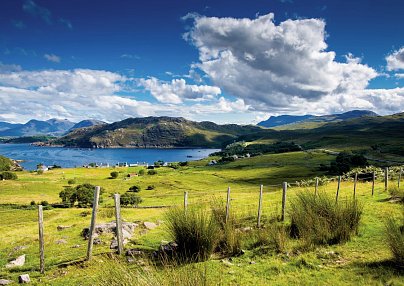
[(72, 157)]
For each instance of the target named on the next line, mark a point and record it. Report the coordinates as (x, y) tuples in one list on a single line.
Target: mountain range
[(54, 127), (296, 122)]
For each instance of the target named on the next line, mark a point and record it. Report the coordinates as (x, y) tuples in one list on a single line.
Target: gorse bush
[(319, 220), (8, 176), (195, 231), (130, 199), (395, 239)]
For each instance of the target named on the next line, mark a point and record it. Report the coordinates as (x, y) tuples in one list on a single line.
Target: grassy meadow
[(364, 260)]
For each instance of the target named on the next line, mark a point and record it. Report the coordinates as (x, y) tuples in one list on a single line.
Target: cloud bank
[(284, 68)]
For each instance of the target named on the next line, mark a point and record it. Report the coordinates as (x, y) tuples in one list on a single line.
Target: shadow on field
[(384, 269)]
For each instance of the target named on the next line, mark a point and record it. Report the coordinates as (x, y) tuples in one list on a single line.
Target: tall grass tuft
[(230, 237), (396, 193), (395, 239), (195, 232), (319, 220)]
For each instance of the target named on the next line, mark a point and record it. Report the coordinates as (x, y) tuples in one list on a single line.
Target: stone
[(114, 244), (97, 241), (18, 248), (227, 262), (19, 261), (24, 278), (5, 282), (62, 227), (149, 225), (134, 252), (253, 262), (76, 246), (127, 229), (61, 241)]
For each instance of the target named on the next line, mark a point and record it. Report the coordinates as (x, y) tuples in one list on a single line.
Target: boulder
[(134, 252), (19, 261), (97, 241), (5, 282), (62, 227), (149, 225), (24, 278), (61, 241), (127, 229)]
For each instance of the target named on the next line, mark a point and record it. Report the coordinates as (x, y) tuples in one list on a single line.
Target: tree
[(128, 199), (8, 176), (114, 174), (82, 194), (151, 172), (134, 189)]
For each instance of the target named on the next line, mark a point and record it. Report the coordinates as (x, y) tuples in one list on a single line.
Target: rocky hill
[(155, 132)]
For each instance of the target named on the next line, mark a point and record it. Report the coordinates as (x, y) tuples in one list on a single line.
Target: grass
[(318, 219), (365, 259), (395, 239)]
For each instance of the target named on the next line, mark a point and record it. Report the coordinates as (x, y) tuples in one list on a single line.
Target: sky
[(214, 60)]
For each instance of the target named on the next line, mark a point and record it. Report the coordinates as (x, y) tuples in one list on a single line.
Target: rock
[(97, 240), (76, 246), (127, 229), (61, 241), (246, 229), (18, 248), (24, 278), (166, 249), (149, 225), (253, 262), (114, 244), (19, 261), (62, 227), (5, 282), (134, 252), (227, 262)]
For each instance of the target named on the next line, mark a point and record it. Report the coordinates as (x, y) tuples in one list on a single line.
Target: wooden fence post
[(386, 178), (228, 205), (185, 201), (118, 223), (259, 208), (373, 182), (41, 241), (284, 189), (354, 188), (93, 220), (315, 189), (338, 186), (399, 178)]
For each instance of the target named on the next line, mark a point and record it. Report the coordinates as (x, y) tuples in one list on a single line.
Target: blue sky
[(224, 61)]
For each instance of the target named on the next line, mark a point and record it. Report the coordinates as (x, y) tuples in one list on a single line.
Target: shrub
[(5, 163), (319, 220), (141, 172), (151, 172), (44, 203), (82, 194), (195, 232), (275, 236), (32, 203), (134, 189), (395, 239), (128, 199), (39, 172), (183, 164), (114, 175), (150, 187), (71, 181), (9, 175)]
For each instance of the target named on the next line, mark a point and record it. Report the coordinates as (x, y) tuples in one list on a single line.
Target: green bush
[(71, 181), (319, 220), (114, 175), (128, 199), (141, 172), (395, 239), (9, 175), (82, 194), (32, 203), (44, 203), (195, 231), (134, 189), (150, 187), (151, 172), (5, 164)]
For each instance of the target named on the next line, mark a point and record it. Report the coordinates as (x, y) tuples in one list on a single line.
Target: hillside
[(155, 132), (289, 122)]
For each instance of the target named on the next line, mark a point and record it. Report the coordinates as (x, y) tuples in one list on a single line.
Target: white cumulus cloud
[(52, 58), (177, 90), (395, 61), (274, 67)]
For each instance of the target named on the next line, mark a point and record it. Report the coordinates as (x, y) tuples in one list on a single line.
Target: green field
[(364, 260)]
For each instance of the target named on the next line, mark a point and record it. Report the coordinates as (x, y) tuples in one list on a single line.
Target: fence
[(258, 202)]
